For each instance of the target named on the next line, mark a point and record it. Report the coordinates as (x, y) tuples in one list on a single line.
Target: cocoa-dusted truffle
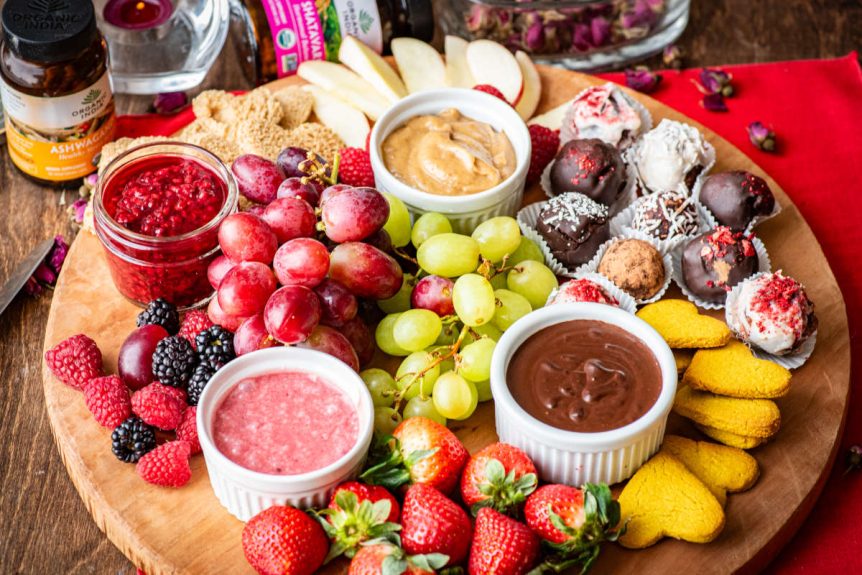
[(590, 167), (736, 198), (635, 266), (574, 226), (666, 215), (772, 312), (717, 260)]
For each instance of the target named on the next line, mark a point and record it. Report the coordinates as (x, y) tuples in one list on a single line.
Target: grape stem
[(405, 256), (439, 357), (316, 170), (487, 270)]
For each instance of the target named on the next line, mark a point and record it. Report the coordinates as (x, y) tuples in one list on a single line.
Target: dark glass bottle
[(274, 36), (55, 87)]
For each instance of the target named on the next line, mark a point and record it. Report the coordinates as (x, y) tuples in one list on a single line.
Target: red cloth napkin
[(815, 108)]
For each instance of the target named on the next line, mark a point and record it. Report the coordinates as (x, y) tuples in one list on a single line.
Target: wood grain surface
[(46, 528)]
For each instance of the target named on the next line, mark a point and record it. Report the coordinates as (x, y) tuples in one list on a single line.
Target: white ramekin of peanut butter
[(459, 152)]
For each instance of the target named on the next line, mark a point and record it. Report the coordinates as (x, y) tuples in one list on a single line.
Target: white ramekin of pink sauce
[(283, 426)]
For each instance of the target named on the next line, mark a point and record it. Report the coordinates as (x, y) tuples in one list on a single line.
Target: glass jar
[(577, 34), (55, 87), (146, 257), (273, 37), (162, 45)]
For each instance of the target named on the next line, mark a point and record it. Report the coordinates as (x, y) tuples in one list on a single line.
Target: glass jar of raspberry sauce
[(157, 211)]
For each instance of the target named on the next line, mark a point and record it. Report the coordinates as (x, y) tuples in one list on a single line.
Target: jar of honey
[(55, 88)]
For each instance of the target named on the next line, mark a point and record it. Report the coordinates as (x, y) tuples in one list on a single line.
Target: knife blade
[(23, 272)]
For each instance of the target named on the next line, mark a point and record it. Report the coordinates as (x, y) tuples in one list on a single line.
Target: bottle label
[(57, 138), (305, 30)]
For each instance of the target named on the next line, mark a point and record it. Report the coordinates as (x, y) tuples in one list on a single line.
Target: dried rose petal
[(77, 210), (714, 102), (601, 31), (170, 102), (92, 180), (45, 275), (642, 79), (479, 18), (534, 37), (58, 254), (671, 56), (33, 287), (715, 81), (762, 137), (582, 37)]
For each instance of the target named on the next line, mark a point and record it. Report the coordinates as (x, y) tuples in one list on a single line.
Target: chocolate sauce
[(584, 375)]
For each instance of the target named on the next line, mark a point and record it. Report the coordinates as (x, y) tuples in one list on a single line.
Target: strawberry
[(358, 513), (167, 465), (354, 168), (284, 541), (108, 400), (545, 143), (501, 545), (75, 361), (574, 522), (500, 476), (489, 89), (433, 523), (420, 451), (389, 559)]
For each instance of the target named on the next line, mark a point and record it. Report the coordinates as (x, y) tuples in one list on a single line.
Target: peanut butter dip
[(449, 154)]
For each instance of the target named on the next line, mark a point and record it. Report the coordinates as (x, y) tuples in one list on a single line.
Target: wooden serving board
[(167, 531)]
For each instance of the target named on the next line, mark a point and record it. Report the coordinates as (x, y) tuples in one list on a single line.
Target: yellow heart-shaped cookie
[(665, 499), (681, 326), (731, 439), (749, 417), (722, 469), (733, 370), (683, 358)]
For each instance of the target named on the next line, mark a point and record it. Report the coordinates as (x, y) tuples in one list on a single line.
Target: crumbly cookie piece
[(259, 105), (113, 149), (665, 499), (216, 104), (683, 358), (206, 127), (266, 140), (296, 105), (226, 150), (722, 469), (748, 417), (734, 371), (681, 326), (731, 439), (318, 138)]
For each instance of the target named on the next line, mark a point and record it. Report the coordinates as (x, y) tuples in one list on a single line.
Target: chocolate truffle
[(574, 226), (590, 167), (603, 112), (666, 215), (772, 312), (635, 266), (717, 260), (670, 157), (582, 290), (736, 198)]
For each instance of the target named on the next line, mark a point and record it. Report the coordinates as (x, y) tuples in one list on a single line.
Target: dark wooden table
[(44, 527)]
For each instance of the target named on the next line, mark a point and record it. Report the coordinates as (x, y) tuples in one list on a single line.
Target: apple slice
[(349, 123), (420, 65), (458, 73), (338, 79), (370, 66), (491, 63), (553, 118), (532, 92)]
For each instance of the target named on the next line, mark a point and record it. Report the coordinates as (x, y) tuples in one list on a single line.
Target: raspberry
[(545, 143), (368, 142), (158, 406), (194, 322), (167, 465), (160, 312), (108, 400), (489, 89), (75, 361), (187, 430), (355, 168)]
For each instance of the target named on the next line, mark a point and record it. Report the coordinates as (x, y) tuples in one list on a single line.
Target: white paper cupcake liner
[(667, 260), (790, 361), (763, 265), (527, 218), (646, 117), (695, 193), (621, 224), (629, 159), (628, 195), (626, 302)]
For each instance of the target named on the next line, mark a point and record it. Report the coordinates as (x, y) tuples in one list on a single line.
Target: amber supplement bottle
[(274, 37), (55, 87)]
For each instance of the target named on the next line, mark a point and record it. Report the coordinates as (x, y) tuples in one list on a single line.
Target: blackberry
[(174, 361), (160, 312), (215, 346), (200, 378), (132, 439)]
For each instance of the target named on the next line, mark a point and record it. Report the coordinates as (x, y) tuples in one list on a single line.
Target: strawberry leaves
[(354, 523), (504, 492), (388, 466)]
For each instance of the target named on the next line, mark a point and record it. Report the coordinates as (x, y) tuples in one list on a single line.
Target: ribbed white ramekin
[(575, 458), (467, 211), (246, 493)]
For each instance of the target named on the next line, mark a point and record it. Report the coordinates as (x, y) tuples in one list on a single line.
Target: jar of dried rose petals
[(578, 34)]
